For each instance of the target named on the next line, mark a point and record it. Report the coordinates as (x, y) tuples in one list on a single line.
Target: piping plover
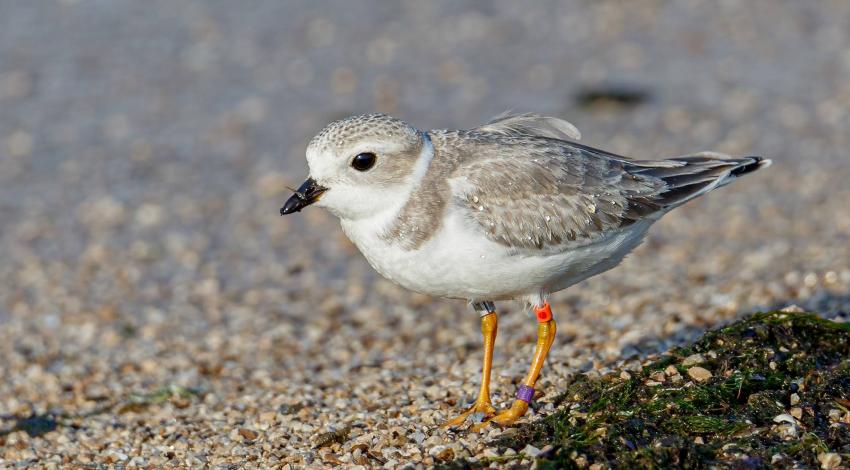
[(514, 209)]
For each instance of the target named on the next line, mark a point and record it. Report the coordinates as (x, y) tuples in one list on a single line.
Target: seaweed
[(771, 390)]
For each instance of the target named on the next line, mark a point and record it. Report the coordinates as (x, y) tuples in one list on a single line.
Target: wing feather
[(530, 124), (546, 195)]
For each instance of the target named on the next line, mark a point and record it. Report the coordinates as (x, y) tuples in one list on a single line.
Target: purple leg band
[(525, 393)]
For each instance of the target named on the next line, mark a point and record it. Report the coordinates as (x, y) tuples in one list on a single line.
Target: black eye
[(363, 161)]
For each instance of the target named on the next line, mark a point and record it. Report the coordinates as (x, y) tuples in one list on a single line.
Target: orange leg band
[(544, 313)]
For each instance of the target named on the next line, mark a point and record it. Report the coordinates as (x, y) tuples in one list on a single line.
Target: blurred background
[(144, 152)]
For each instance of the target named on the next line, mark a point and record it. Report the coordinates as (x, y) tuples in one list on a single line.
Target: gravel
[(155, 310)]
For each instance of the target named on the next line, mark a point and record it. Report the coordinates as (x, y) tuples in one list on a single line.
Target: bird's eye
[(363, 161)]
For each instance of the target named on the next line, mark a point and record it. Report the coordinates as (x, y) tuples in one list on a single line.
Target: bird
[(515, 209)]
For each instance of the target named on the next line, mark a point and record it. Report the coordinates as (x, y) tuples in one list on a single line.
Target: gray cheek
[(393, 175), (394, 169)]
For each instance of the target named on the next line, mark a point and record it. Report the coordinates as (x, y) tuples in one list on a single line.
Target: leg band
[(525, 393), (544, 313), (484, 308)]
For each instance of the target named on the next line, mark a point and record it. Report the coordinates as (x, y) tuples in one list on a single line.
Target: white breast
[(460, 262)]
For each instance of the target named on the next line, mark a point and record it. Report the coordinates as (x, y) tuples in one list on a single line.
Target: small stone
[(358, 458), (784, 418), (699, 440), (793, 309), (794, 399), (118, 456), (829, 460), (796, 412), (699, 374), (580, 461), (786, 431), (331, 459), (491, 453), (693, 360), (625, 375), (671, 370), (268, 417), (249, 434), (530, 451), (658, 377), (445, 455), (181, 402)]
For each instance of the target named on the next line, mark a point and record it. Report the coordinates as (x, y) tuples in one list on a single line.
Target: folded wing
[(539, 194)]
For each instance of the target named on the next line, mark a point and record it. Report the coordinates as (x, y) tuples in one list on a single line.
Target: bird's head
[(361, 166)]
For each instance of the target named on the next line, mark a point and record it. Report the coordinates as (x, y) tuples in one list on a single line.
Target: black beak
[(306, 194)]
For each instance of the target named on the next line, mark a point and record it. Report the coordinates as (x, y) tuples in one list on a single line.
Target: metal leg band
[(484, 308)]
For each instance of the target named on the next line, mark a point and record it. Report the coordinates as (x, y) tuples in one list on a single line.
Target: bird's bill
[(306, 194)]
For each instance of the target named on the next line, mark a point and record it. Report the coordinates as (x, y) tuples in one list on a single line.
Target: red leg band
[(543, 313)]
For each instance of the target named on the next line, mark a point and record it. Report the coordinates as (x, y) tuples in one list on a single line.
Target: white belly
[(460, 262)]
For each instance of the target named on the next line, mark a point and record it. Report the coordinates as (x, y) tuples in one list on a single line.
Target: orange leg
[(489, 326), (546, 330)]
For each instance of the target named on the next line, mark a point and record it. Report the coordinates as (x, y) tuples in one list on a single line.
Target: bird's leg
[(545, 337), (489, 326)]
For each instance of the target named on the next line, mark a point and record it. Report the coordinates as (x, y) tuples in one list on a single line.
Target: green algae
[(778, 395)]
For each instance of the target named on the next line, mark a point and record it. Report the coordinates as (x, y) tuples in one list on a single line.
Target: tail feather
[(755, 164), (695, 175)]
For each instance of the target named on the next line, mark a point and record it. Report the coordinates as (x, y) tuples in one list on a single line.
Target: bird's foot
[(505, 418), (481, 410)]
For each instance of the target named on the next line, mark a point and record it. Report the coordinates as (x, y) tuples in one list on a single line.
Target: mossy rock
[(774, 392)]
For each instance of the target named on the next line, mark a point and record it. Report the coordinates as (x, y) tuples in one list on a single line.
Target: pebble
[(784, 418), (829, 460), (491, 453), (248, 434), (530, 450), (442, 453), (659, 377), (693, 360), (699, 374)]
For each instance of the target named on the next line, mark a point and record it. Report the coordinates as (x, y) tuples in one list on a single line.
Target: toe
[(457, 420), (476, 413)]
